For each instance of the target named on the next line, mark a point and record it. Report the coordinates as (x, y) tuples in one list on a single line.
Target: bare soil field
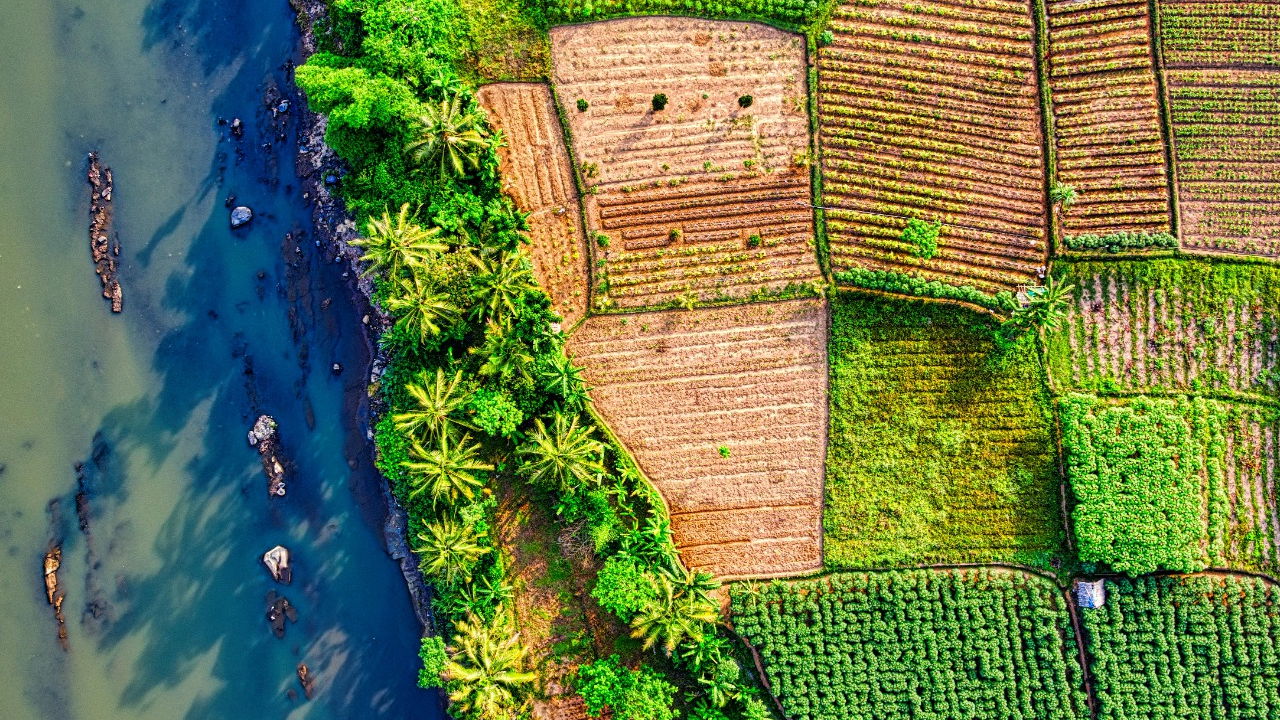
[(1105, 102), (930, 109), (709, 196), (538, 174), (1222, 62), (725, 410)]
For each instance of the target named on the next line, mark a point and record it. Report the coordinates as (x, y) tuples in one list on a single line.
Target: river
[(165, 591)]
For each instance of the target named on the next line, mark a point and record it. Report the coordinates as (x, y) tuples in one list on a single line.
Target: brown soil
[(678, 386), (538, 174), (558, 620), (705, 197), (931, 110)]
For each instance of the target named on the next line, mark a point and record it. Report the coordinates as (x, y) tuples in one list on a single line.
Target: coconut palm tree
[(393, 244), (485, 671), (499, 284), (422, 310), (564, 456), (506, 355), (1045, 308), (678, 612), (560, 377), (450, 140), (446, 470), (449, 549), (437, 404)]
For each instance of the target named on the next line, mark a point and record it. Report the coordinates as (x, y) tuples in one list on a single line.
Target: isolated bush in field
[(754, 241), (583, 105), (659, 102), (826, 38), (724, 451), (744, 101), (1062, 195), (1133, 472), (922, 237)]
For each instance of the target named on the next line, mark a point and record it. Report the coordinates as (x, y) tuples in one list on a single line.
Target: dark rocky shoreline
[(315, 163)]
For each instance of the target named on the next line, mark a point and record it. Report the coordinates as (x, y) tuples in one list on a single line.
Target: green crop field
[(1201, 647), (971, 645), (941, 446)]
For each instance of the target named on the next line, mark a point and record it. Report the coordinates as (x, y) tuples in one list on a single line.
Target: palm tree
[(562, 378), (436, 406), (449, 138), (484, 670), (1062, 195), (422, 309), (449, 548), (393, 244), (1045, 308), (448, 470), (564, 457), (500, 283), (677, 613), (505, 354)]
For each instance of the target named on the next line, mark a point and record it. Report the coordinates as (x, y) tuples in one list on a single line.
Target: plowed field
[(1110, 147), (704, 198), (725, 409), (1222, 63), (930, 109), (538, 174)]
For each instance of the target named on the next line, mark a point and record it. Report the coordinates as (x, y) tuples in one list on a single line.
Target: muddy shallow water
[(165, 593)]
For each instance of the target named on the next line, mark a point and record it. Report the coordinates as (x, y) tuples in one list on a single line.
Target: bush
[(583, 105), (744, 101), (922, 237), (434, 659), (494, 412), (659, 102), (622, 587), (755, 241), (630, 694)]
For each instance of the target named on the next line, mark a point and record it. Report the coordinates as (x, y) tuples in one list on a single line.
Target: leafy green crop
[(905, 645), (940, 443), (1199, 647)]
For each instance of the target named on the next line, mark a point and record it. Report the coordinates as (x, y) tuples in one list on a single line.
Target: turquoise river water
[(165, 592)]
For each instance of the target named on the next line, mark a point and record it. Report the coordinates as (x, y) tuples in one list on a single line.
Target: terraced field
[(538, 174), (725, 410), (1105, 103), (1222, 63), (941, 447), (1171, 326), (707, 198), (930, 109)]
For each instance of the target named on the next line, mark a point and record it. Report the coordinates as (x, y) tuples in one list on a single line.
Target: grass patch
[(940, 443)]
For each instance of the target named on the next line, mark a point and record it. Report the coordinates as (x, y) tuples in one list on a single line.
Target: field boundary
[(1166, 120), (1048, 126)]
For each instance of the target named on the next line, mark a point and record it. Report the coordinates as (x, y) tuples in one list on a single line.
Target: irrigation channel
[(163, 526)]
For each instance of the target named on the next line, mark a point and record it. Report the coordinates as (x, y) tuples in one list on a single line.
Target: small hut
[(1090, 594)]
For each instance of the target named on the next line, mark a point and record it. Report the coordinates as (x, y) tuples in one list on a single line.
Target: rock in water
[(105, 249), (240, 216), (53, 590), (263, 435), (277, 561), (308, 682)]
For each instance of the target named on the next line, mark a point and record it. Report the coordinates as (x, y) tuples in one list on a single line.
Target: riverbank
[(320, 169)]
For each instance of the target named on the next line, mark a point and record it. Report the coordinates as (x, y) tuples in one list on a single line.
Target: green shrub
[(494, 412), (623, 587), (922, 237), (434, 660), (896, 282), (583, 105), (744, 101), (659, 102), (1115, 242), (630, 694)]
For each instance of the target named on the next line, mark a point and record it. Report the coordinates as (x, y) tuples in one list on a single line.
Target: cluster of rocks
[(104, 245), (264, 436), (53, 590)]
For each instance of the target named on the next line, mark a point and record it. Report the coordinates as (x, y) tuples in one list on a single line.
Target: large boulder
[(240, 216), (277, 561)]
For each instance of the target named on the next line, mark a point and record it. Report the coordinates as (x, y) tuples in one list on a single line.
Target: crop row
[(1110, 147), (1201, 647), (973, 644), (1220, 33), (785, 12)]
